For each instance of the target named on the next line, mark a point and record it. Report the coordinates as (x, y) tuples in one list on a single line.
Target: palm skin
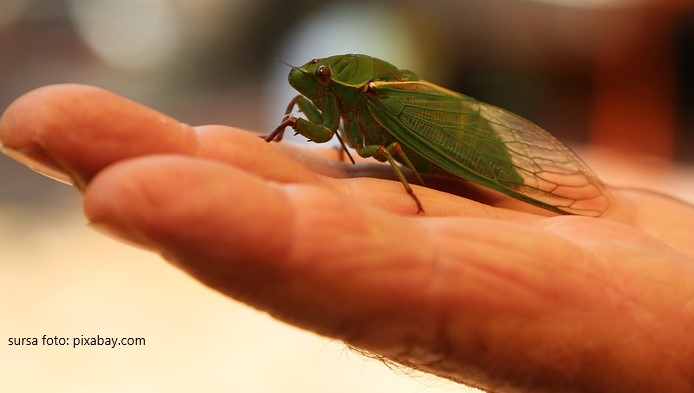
[(484, 294)]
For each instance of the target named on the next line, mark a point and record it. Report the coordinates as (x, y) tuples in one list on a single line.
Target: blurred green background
[(616, 75)]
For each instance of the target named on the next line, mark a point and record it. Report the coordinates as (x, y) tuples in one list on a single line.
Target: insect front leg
[(319, 126), (312, 131), (306, 107), (382, 153)]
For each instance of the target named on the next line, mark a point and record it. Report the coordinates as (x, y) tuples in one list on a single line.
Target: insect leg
[(386, 153), (305, 106), (312, 131), (315, 116), (315, 129), (311, 128), (396, 148), (277, 133)]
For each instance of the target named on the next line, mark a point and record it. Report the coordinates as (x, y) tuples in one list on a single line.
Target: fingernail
[(37, 160)]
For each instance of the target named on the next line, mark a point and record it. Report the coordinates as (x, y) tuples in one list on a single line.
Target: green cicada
[(392, 115)]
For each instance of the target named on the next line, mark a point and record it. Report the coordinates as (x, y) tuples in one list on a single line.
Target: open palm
[(481, 293)]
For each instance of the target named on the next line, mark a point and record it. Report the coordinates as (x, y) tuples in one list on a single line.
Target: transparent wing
[(488, 145)]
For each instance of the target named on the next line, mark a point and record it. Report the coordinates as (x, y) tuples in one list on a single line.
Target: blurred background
[(613, 78)]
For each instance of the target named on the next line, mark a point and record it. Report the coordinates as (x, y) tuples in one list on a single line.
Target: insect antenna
[(285, 63)]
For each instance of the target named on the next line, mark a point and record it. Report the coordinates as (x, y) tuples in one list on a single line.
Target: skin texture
[(481, 293)]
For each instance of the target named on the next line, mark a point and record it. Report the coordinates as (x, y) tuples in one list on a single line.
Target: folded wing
[(488, 145)]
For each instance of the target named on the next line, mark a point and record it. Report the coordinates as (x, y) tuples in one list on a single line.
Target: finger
[(245, 150), (299, 251), (79, 129), (74, 131), (661, 216)]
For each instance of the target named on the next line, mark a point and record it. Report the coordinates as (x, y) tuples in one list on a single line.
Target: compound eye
[(323, 74)]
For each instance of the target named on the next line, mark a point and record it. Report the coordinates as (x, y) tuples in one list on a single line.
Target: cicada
[(392, 115)]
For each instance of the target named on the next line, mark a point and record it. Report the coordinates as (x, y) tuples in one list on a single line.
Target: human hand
[(489, 296)]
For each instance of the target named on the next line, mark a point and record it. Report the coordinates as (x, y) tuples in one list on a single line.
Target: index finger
[(71, 132)]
